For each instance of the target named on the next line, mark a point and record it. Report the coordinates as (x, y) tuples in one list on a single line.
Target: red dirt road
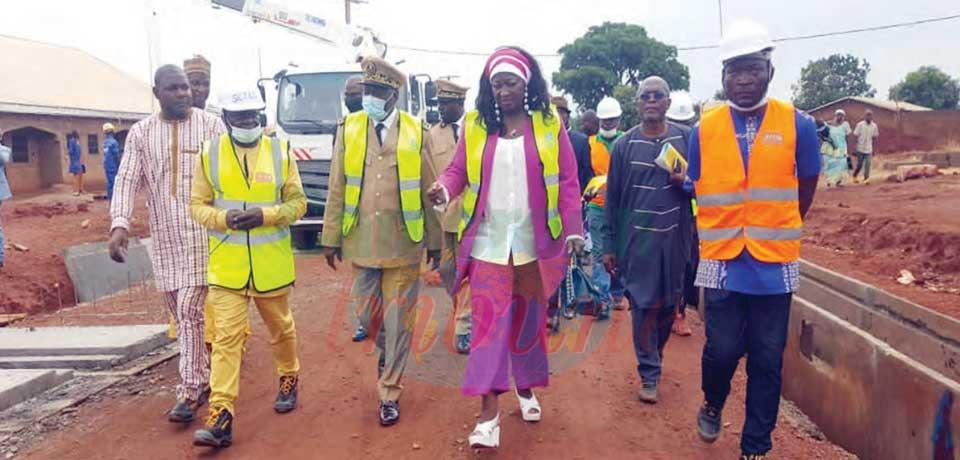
[(590, 409)]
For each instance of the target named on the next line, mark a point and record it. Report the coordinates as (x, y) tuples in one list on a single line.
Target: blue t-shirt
[(746, 274)]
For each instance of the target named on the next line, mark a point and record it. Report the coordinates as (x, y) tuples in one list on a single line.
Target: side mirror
[(414, 96), (430, 93)]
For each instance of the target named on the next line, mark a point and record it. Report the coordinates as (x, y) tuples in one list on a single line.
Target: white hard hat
[(242, 100), (681, 106), (608, 108), (744, 37), (840, 112)]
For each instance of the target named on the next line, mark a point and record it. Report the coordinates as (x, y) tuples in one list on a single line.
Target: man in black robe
[(650, 222)]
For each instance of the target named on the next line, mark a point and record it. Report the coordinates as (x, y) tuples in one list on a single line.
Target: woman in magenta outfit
[(508, 252)]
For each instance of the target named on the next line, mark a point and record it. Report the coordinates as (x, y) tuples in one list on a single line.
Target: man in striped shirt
[(160, 158)]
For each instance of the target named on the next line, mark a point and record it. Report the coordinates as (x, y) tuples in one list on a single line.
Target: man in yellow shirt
[(246, 193)]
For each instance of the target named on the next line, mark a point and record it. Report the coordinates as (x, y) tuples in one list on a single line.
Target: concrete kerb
[(17, 386), (941, 326), (894, 420)]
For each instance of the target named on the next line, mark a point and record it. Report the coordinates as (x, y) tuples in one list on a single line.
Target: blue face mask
[(375, 107)]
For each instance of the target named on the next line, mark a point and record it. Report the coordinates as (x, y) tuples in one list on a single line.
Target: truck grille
[(315, 175)]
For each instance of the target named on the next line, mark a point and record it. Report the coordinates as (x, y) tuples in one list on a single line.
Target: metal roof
[(893, 106), (42, 78)]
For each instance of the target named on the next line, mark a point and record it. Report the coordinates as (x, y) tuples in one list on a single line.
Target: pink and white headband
[(508, 60)]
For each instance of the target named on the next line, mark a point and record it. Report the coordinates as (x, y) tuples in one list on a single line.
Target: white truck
[(305, 103)]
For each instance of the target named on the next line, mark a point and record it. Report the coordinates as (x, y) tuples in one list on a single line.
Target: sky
[(138, 35)]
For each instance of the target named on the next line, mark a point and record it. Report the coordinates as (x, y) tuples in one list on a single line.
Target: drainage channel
[(875, 372)]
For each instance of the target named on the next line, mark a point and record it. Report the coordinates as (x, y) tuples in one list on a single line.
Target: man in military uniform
[(383, 153), (443, 143)]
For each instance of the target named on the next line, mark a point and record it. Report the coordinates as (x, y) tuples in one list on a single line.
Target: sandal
[(530, 408), (486, 434)]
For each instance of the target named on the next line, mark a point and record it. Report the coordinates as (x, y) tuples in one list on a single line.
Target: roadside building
[(896, 121), (48, 91)]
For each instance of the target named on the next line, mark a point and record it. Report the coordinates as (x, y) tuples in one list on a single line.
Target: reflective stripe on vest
[(261, 256), (409, 146), (546, 134), (757, 210)]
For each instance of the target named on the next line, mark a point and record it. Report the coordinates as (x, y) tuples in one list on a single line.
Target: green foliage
[(627, 95), (928, 86), (831, 78), (615, 55)]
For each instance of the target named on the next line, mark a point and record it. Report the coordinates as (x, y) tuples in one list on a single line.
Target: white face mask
[(246, 135), (608, 133), (756, 106)]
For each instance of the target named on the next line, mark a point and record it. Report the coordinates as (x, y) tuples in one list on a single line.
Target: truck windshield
[(311, 103)]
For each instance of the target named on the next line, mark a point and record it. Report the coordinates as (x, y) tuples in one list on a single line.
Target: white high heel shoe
[(486, 434), (530, 408)]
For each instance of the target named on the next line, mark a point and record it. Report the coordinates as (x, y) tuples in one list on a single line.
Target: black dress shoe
[(708, 423), (218, 432), (389, 413), (287, 396), (183, 412)]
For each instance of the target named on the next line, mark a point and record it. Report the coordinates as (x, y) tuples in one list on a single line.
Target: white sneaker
[(530, 408), (486, 434)]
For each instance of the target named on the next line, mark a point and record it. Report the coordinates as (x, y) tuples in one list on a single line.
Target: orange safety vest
[(600, 161), (758, 209)]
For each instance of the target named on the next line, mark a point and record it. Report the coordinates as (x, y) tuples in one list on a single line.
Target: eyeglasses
[(653, 96)]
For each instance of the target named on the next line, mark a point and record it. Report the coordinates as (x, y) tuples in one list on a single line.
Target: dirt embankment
[(37, 230), (875, 232)]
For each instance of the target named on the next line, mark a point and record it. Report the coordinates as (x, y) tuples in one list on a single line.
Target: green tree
[(928, 86), (720, 95), (627, 96), (831, 78), (612, 55)]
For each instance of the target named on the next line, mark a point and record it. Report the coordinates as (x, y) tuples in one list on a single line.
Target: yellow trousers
[(209, 333), (231, 324)]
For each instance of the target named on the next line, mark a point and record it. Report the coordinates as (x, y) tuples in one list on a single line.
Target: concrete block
[(95, 275), (77, 362), (77, 347), (905, 173), (941, 159), (954, 159), (17, 386), (865, 395)]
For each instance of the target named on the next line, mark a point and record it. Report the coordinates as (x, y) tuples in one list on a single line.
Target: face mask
[(246, 135), (375, 107), (353, 103), (608, 133), (756, 106)]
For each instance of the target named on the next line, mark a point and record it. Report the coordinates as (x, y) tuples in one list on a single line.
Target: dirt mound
[(874, 232), (50, 210), (907, 240)]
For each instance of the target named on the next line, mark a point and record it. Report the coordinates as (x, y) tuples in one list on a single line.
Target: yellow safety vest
[(409, 145), (546, 133), (262, 255)]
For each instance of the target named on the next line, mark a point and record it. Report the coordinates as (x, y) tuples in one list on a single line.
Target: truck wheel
[(304, 239)]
